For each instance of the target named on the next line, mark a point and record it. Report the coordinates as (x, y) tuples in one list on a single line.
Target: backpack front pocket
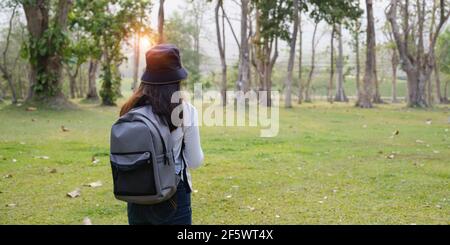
[(133, 174)]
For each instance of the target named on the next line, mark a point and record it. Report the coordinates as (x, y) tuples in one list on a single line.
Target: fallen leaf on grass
[(428, 121), (11, 205), (87, 221), (95, 160), (251, 208), (64, 129), (390, 156), (31, 109), (74, 193), (229, 196), (396, 132), (277, 216), (42, 157), (7, 176), (419, 142), (436, 152), (94, 184), (14, 160)]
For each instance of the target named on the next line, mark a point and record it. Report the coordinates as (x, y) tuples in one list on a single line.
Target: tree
[(331, 79), (417, 61), (365, 100), (340, 93), (395, 60), (443, 51), (314, 43), (271, 25), (288, 83), (92, 77), (242, 83), (109, 23), (337, 13), (300, 58), (196, 11), (161, 22), (136, 56), (44, 47), (220, 33), (4, 64)]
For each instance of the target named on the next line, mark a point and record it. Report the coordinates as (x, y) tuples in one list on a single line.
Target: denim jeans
[(165, 213)]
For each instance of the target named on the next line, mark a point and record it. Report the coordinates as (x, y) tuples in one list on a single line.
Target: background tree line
[(55, 50)]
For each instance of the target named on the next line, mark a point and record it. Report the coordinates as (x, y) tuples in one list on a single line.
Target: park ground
[(330, 164)]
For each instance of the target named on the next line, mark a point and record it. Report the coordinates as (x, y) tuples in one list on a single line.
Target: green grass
[(327, 166)]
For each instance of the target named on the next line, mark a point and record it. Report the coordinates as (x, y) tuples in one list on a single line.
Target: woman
[(160, 81)]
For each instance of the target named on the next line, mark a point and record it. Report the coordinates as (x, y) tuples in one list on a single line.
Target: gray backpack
[(142, 161)]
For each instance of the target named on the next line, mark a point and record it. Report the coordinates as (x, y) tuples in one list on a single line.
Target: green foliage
[(109, 23), (52, 43), (335, 11), (275, 16)]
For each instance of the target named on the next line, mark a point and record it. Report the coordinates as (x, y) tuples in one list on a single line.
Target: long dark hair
[(159, 98)]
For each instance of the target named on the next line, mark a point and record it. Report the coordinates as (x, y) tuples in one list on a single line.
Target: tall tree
[(443, 50), (271, 25), (340, 93), (290, 70), (5, 66), (44, 48), (331, 79), (300, 58), (395, 60), (113, 23), (136, 59), (356, 31), (242, 83), (161, 22), (365, 100), (417, 61), (92, 77), (220, 33), (314, 43)]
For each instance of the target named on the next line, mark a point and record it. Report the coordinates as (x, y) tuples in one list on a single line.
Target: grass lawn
[(329, 165)]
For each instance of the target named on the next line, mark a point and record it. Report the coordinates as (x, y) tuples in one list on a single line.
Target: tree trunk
[(137, 52), (394, 63), (358, 66), (244, 61), (161, 22), (417, 63), (340, 93), (8, 77), (369, 76), (300, 58), (92, 76), (313, 65), (221, 46), (437, 74), (288, 88), (330, 81), (81, 83), (45, 70)]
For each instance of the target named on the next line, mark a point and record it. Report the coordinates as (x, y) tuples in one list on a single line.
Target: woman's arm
[(193, 153)]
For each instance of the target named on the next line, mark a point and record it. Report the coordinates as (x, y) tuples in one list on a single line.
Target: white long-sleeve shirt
[(189, 132)]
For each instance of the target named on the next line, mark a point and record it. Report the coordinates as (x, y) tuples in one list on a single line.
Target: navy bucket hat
[(163, 65)]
